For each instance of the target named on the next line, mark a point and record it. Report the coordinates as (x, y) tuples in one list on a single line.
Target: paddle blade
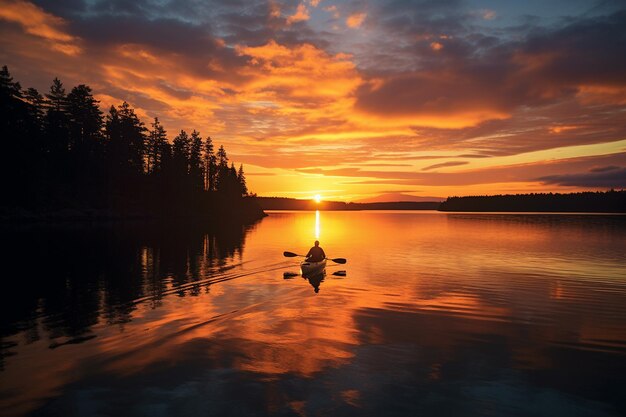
[(339, 260), (289, 254)]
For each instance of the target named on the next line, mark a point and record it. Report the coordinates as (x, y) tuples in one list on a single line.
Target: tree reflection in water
[(72, 277)]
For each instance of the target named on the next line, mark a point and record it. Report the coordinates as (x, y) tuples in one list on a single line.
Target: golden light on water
[(317, 224)]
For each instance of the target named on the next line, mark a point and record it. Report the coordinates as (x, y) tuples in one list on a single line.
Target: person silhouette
[(316, 253)]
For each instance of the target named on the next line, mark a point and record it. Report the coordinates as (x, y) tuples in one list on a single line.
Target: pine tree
[(8, 87), (15, 159), (34, 129), (180, 155), (241, 178), (210, 165), (56, 97), (10, 99), (11, 104), (221, 181), (157, 137), (85, 160), (125, 142), (56, 122), (133, 134), (85, 121), (36, 103), (222, 158), (195, 161)]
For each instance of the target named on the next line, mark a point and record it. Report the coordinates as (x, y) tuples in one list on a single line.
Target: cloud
[(302, 83), (436, 46), (487, 14), (426, 81), (37, 22), (355, 20), (333, 10), (546, 172), (605, 169), (448, 98), (274, 9), (445, 165), (394, 196), (606, 177), (301, 14), (462, 81)]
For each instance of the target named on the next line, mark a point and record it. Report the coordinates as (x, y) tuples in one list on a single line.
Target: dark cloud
[(565, 123), (584, 52), (418, 17), (473, 155), (605, 169), (192, 46), (548, 172), (466, 74), (138, 99), (444, 165), (381, 164), (164, 33), (173, 91), (608, 177), (122, 7)]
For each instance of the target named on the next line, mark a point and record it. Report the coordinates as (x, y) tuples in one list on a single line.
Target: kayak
[(312, 268)]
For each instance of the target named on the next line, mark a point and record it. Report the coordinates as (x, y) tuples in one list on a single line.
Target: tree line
[(611, 201), (61, 151)]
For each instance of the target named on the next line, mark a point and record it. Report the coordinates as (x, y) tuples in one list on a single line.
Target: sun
[(317, 198)]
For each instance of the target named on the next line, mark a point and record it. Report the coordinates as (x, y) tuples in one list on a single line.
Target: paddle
[(336, 260)]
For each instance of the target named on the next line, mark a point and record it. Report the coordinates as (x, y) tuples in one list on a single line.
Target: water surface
[(437, 314)]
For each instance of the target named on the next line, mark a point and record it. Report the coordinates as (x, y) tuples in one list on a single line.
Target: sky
[(404, 99)]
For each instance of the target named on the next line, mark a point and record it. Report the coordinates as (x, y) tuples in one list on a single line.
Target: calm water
[(437, 314)]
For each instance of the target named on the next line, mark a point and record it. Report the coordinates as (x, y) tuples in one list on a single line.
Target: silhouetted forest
[(64, 158), (593, 202), (283, 203)]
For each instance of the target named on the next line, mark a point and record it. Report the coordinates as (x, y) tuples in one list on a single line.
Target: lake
[(437, 314)]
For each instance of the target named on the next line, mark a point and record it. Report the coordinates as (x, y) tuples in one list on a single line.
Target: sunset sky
[(354, 99)]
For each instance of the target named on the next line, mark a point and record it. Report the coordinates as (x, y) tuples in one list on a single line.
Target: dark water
[(437, 314)]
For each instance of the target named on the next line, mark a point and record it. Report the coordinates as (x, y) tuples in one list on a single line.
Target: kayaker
[(316, 253)]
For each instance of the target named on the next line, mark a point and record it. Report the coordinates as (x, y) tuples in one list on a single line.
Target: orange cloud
[(37, 22), (355, 20), (302, 14), (436, 46), (299, 81), (602, 94), (560, 129)]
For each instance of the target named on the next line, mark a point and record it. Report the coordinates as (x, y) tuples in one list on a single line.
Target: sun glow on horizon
[(317, 198)]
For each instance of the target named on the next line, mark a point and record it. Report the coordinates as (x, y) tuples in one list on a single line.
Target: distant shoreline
[(284, 203), (608, 202)]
